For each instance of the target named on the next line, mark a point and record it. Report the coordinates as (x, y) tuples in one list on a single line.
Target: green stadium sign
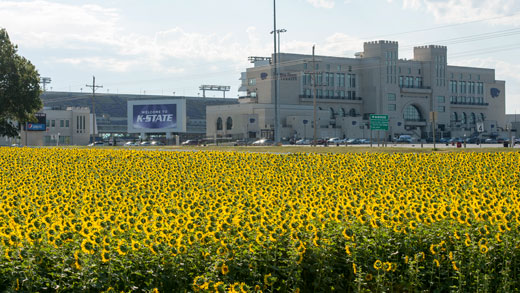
[(378, 122)]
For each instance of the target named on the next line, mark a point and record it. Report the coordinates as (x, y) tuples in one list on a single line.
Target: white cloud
[(457, 11), (322, 3), (54, 25), (110, 64)]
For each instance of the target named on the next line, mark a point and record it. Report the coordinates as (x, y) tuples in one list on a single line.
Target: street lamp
[(276, 32)]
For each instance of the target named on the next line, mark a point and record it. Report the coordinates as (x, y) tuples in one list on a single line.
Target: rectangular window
[(391, 107), (391, 97), (331, 79), (339, 68), (328, 66), (53, 123), (252, 81), (48, 123), (304, 66), (62, 123), (67, 123), (441, 99), (441, 109), (400, 81)]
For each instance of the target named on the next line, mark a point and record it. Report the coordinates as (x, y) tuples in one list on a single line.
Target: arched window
[(464, 118), (332, 114), (229, 123), (219, 123), (342, 112), (454, 117), (411, 113), (472, 118), (482, 117), (352, 112)]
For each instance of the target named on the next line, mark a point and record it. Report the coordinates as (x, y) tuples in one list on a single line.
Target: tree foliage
[(19, 88)]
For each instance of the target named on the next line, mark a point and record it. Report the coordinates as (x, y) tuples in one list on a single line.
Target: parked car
[(473, 140), (303, 141), (320, 141), (335, 140), (364, 141), (97, 143), (263, 142), (405, 138), (490, 140), (353, 141), (240, 142), (444, 139), (145, 143), (191, 142), (455, 140), (130, 144), (157, 143)]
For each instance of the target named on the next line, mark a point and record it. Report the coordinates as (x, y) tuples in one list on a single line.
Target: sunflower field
[(145, 221)]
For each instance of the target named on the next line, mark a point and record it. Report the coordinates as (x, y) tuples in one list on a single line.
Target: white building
[(71, 126), (349, 89)]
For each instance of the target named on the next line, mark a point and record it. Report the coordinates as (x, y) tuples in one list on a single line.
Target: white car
[(97, 143), (303, 141), (130, 143), (335, 140), (263, 142)]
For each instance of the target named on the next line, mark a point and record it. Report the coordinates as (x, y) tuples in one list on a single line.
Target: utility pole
[(94, 87), (314, 95)]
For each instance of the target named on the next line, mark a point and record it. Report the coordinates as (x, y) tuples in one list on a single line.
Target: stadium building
[(348, 90)]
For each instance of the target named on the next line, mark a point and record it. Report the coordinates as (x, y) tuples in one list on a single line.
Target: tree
[(19, 88)]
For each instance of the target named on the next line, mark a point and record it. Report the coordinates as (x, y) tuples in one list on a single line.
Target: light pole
[(275, 63), (278, 32)]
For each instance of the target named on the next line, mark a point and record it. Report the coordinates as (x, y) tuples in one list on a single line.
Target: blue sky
[(167, 46)]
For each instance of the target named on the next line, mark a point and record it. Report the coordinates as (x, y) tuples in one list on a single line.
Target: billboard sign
[(156, 116), (40, 125)]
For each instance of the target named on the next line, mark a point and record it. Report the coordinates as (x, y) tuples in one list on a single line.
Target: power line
[(443, 26)]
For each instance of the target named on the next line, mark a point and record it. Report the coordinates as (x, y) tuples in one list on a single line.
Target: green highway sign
[(378, 122)]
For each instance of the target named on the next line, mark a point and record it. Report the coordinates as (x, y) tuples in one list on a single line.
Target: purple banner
[(155, 116)]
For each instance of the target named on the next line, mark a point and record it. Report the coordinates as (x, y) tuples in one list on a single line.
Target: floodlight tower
[(45, 81)]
